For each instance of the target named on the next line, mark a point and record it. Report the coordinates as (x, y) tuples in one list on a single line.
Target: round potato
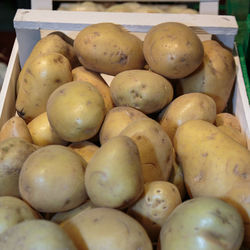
[(114, 175), (108, 48), (13, 152), (76, 111), (15, 127), (36, 234), (14, 211), (153, 208), (172, 50), (41, 132), (141, 89), (106, 228), (215, 77), (203, 223), (52, 179), (227, 119), (192, 106), (116, 120)]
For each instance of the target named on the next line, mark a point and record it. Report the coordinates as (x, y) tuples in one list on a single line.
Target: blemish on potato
[(58, 80), (123, 59), (204, 154)]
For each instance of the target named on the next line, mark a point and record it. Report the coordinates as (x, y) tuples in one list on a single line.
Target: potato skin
[(141, 89), (114, 176), (116, 230), (203, 223), (172, 50), (227, 119), (108, 48), (192, 106), (36, 234), (214, 163), (52, 179), (215, 77)]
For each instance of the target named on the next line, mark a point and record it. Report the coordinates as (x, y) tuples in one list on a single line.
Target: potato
[(141, 89), (227, 119), (52, 179), (154, 146), (108, 48), (85, 149), (76, 111), (153, 208), (81, 74), (192, 106), (36, 234), (106, 228), (14, 211), (116, 120), (215, 77), (212, 162), (13, 153), (15, 127), (63, 216), (41, 132), (43, 75), (114, 175), (203, 223), (172, 50)]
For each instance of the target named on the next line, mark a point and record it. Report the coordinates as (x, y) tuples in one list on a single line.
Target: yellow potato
[(81, 74), (106, 228), (114, 176), (108, 48), (52, 179), (227, 119), (41, 132), (172, 50), (15, 127)]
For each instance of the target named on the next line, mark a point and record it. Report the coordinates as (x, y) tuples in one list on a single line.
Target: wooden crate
[(29, 23), (210, 7)]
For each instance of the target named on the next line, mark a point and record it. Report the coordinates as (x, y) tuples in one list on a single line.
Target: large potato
[(155, 148), (107, 229), (212, 162), (141, 89), (153, 208), (15, 127), (14, 211), (41, 77), (81, 74), (52, 179), (192, 106), (35, 235), (114, 176), (108, 48), (215, 77), (203, 223), (76, 111), (172, 50), (13, 152), (116, 120)]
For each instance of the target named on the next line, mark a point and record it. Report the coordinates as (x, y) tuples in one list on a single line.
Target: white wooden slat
[(209, 8), (42, 4)]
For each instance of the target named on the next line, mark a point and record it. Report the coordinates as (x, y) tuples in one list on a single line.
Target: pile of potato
[(150, 159)]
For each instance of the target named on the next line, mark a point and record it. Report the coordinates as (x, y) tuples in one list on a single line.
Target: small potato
[(15, 127), (153, 208), (81, 74), (36, 234), (172, 50), (114, 174), (13, 152), (227, 119), (76, 111), (106, 228), (141, 89), (192, 106), (203, 223), (41, 132), (14, 211), (85, 149), (116, 120), (52, 179)]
